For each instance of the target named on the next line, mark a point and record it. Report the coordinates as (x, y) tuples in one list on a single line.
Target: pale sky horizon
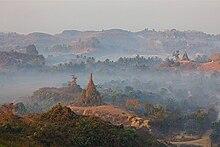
[(54, 16)]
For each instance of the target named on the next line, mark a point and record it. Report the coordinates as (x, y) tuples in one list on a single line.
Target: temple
[(90, 96), (185, 57), (73, 83), (74, 87), (91, 87)]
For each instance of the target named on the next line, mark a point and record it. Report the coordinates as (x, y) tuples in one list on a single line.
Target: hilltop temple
[(185, 59), (91, 96)]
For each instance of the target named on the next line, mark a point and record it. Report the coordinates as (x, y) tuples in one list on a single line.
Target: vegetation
[(62, 127), (44, 98), (215, 136), (84, 64), (166, 114), (168, 123), (31, 50), (132, 104), (170, 110), (202, 59), (16, 60), (174, 104)]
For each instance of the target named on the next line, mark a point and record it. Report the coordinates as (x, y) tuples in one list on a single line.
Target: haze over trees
[(171, 99), (114, 43)]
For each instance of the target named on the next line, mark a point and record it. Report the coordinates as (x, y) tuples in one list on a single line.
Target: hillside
[(113, 114), (62, 127), (192, 66), (48, 96), (15, 59), (114, 42), (210, 66)]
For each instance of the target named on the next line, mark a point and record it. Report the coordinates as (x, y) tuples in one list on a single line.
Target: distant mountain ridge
[(114, 41)]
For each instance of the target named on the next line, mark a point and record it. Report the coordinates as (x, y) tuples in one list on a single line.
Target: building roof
[(185, 57)]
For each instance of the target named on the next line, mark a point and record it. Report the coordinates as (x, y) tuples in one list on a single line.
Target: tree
[(202, 121), (176, 55), (115, 97), (107, 61), (128, 89), (20, 109), (132, 104), (202, 59), (31, 50), (215, 135), (149, 109)]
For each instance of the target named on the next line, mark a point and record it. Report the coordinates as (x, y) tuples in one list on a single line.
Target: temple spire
[(91, 96), (91, 77), (91, 87)]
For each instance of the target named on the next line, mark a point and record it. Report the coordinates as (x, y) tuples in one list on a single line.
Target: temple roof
[(185, 57)]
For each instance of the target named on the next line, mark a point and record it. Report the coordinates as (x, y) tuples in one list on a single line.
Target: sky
[(54, 16)]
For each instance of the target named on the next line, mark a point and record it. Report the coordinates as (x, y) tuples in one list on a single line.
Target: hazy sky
[(54, 16)]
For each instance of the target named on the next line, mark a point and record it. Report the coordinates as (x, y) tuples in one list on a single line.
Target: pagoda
[(73, 82), (74, 87), (91, 87), (185, 57)]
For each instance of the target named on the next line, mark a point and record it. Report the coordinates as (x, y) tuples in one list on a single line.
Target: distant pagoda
[(91, 87), (185, 57), (74, 87), (73, 82)]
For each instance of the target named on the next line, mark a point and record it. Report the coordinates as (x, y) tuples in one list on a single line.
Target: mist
[(203, 88)]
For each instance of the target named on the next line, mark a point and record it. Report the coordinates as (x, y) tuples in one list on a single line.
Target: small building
[(185, 57)]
